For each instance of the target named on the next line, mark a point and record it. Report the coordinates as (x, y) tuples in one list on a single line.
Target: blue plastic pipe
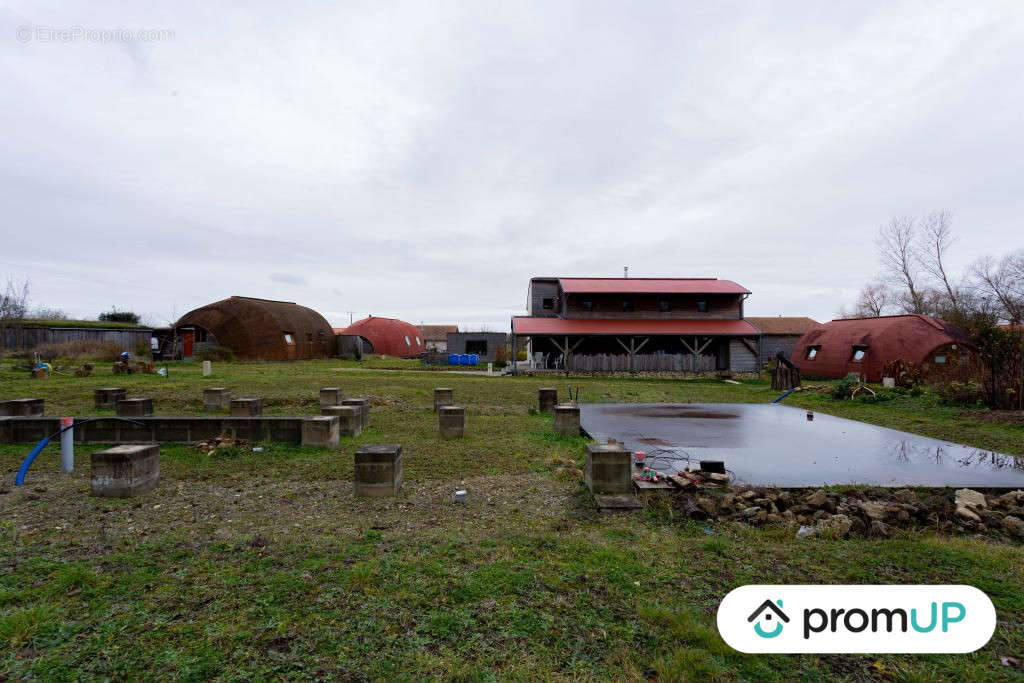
[(784, 395), (19, 480)]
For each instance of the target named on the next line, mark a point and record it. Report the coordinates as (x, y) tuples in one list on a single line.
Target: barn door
[(188, 338)]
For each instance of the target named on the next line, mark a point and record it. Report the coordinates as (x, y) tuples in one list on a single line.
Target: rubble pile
[(873, 513)]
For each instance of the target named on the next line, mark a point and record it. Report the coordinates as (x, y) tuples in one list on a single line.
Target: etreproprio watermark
[(73, 34)]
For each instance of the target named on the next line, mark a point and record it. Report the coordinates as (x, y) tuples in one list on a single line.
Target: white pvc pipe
[(67, 444)]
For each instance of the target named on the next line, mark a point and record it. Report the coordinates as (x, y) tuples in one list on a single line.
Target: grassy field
[(259, 566)]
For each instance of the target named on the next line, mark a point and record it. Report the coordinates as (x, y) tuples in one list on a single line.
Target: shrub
[(218, 353), (116, 316), (960, 393), (843, 388)]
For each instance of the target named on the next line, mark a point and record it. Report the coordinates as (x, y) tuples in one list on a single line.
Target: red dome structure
[(865, 345), (387, 336)]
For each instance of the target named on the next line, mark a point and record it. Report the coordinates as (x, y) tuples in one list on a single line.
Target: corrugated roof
[(437, 332), (783, 325), (649, 285), (531, 326)]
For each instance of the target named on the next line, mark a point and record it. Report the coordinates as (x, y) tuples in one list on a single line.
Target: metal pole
[(67, 444)]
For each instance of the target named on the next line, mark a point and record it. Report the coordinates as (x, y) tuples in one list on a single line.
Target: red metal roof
[(389, 336), (649, 285), (538, 326), (911, 338)]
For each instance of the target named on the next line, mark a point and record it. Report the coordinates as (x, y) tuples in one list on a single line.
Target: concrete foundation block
[(567, 419), (135, 407), (350, 418), (608, 469), (107, 397), (443, 397), (547, 399), (22, 407), (330, 396), (378, 470), (216, 398), (246, 407), (320, 431), (125, 471), (452, 421), (364, 408)]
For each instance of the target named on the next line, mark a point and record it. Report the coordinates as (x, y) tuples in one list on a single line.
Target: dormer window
[(627, 304), (858, 353), (812, 352), (702, 306)]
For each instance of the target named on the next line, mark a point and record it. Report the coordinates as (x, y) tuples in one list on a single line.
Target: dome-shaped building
[(256, 329), (387, 336), (864, 345)]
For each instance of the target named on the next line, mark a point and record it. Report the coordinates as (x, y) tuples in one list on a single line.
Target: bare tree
[(1002, 282), (13, 305), (898, 250), (936, 238), (874, 300)]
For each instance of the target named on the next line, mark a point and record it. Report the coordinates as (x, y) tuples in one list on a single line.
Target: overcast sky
[(424, 160)]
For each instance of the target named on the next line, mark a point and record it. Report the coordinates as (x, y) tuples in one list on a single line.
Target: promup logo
[(867, 619), (765, 612)]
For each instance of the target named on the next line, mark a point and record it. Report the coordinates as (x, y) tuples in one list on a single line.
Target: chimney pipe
[(625, 271)]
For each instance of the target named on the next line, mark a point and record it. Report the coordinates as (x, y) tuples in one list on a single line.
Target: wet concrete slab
[(776, 445)]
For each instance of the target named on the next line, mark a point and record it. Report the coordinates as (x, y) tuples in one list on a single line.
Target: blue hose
[(784, 395), (19, 480)]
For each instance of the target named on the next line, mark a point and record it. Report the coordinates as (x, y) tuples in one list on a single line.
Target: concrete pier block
[(443, 397), (547, 399), (567, 419), (135, 407), (350, 418), (608, 469), (452, 421), (22, 407), (125, 471), (320, 431), (330, 396), (364, 407), (246, 407), (216, 398), (378, 470), (107, 397)]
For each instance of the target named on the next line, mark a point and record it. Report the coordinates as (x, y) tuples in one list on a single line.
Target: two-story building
[(637, 325)]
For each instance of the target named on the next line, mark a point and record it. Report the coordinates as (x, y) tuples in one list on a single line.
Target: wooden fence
[(28, 338), (643, 362)]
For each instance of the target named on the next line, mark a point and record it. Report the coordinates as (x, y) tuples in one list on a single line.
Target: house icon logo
[(767, 613)]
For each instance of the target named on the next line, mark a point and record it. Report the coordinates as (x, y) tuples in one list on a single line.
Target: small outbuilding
[(780, 333), (865, 345), (490, 346), (435, 337), (387, 336), (255, 329)]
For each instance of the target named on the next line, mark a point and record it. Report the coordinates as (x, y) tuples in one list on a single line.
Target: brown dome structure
[(256, 329)]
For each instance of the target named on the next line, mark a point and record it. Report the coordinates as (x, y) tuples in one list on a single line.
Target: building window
[(940, 360), (477, 346), (407, 343), (587, 304), (548, 304), (858, 353), (812, 352), (627, 304), (417, 341), (664, 306), (288, 339), (309, 337), (702, 306), (200, 335)]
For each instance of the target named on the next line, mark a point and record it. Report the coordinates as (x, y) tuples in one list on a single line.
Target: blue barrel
[(453, 359), (463, 359), (473, 359)]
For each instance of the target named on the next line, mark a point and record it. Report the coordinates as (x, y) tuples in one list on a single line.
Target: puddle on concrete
[(776, 445)]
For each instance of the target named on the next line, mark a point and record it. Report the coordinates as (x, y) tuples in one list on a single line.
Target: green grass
[(259, 566)]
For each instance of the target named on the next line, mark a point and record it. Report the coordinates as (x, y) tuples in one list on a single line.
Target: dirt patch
[(1011, 417)]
